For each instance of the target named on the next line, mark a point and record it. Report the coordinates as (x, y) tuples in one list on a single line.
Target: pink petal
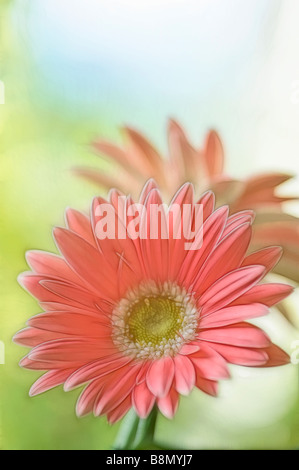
[(86, 261), (208, 386), (176, 157), (80, 224), (120, 247), (227, 256), (86, 400), (35, 365), (261, 182), (229, 315), (122, 180), (168, 405), (176, 236), (241, 355), (51, 265), (117, 413), (207, 200), (66, 307), (95, 370), (147, 188), (276, 356), (240, 334), (141, 376), (155, 251), (267, 294), (116, 197), (78, 324), (160, 376), (31, 337), (143, 400), (146, 154), (72, 295), (212, 230), (117, 387), (267, 257), (71, 352), (214, 154), (209, 364), (31, 282), (50, 380), (183, 156), (230, 287), (184, 375), (189, 349), (114, 152), (238, 219)]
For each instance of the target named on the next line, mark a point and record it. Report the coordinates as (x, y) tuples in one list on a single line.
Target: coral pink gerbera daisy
[(139, 320)]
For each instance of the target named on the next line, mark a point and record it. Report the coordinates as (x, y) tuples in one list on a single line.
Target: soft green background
[(45, 124)]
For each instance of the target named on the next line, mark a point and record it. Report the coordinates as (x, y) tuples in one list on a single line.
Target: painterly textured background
[(74, 70)]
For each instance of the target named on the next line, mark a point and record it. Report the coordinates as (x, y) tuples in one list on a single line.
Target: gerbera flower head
[(204, 166), (139, 320)]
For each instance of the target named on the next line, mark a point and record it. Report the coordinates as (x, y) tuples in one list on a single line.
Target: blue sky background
[(227, 64)]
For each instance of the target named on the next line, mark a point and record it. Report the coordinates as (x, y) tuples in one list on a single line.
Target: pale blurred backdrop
[(73, 70)]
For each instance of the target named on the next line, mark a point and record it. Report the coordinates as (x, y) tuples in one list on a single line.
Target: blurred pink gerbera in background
[(139, 321), (138, 161)]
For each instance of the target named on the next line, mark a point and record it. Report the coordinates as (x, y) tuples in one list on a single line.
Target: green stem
[(146, 430), (136, 433)]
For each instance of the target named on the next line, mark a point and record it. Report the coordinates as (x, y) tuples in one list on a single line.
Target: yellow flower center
[(154, 320)]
